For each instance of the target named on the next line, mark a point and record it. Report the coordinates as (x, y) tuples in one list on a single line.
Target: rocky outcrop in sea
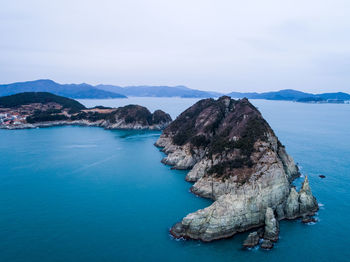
[(234, 158)]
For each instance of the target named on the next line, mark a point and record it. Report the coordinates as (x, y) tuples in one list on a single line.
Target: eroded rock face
[(252, 240), (302, 203), (235, 159), (308, 203), (266, 244), (271, 226), (308, 219), (292, 205)]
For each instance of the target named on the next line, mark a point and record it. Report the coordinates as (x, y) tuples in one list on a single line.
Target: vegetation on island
[(91, 116), (140, 114), (255, 130), (45, 116), (184, 126), (221, 127), (39, 97)]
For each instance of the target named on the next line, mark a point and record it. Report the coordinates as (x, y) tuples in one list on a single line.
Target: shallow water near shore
[(89, 194)]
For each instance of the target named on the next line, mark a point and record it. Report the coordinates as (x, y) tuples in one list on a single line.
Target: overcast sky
[(216, 45)]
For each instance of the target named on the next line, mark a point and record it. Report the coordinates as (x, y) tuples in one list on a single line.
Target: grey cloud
[(210, 45)]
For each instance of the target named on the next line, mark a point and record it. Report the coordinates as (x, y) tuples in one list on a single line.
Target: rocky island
[(41, 109), (234, 158)]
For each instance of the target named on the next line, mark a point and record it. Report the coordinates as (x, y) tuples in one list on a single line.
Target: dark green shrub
[(39, 97), (199, 141), (44, 117), (256, 129)]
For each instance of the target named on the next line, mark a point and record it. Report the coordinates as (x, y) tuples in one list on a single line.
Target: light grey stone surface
[(252, 240), (271, 226)]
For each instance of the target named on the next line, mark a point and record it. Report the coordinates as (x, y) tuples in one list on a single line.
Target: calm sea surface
[(88, 194)]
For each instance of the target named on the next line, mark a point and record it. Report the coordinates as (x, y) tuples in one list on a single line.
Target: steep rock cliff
[(234, 158)]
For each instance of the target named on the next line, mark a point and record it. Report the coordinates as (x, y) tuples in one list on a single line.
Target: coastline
[(101, 123)]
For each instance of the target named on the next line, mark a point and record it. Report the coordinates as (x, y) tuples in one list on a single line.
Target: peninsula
[(41, 109), (234, 158)]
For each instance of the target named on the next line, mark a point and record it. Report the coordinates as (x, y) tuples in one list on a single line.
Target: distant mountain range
[(158, 91), (80, 91), (67, 90), (291, 95)]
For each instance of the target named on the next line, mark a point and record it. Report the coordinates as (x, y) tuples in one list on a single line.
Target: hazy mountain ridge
[(68, 90), (102, 91), (290, 95), (80, 91), (158, 91)]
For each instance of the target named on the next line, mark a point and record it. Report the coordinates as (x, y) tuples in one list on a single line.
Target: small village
[(17, 116), (12, 118)]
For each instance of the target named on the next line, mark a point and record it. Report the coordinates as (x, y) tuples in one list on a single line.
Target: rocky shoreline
[(101, 123), (235, 159)]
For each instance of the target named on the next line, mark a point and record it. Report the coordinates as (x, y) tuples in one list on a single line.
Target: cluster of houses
[(13, 118), (17, 116)]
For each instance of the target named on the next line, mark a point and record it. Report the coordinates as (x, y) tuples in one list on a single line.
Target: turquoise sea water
[(88, 194)]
